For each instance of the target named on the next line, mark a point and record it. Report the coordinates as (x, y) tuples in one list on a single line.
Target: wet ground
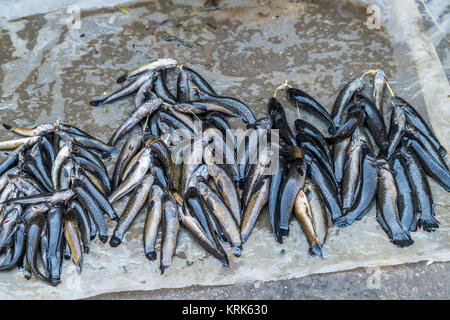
[(50, 71)]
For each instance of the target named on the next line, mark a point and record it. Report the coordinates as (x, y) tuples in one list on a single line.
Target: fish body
[(251, 213), (170, 229), (291, 186), (343, 98), (422, 190), (387, 212), (301, 98)]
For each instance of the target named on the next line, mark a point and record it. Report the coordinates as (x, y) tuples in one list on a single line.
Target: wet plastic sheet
[(245, 49)]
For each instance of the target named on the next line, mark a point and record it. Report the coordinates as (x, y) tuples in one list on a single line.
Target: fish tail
[(7, 127), (224, 260), (284, 232), (442, 150), (121, 78), (429, 224), (237, 250), (162, 268), (151, 255), (114, 241), (97, 103), (78, 266), (315, 250), (401, 239), (103, 238), (344, 221)]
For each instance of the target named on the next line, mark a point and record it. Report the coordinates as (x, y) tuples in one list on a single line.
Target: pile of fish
[(220, 201), (364, 165), (53, 198), (185, 165), (169, 167)]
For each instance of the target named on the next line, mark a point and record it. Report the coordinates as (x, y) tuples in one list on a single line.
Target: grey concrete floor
[(408, 281)]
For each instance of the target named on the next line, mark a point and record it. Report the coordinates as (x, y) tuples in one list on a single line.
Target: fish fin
[(429, 224), (103, 238), (315, 250), (114, 241), (121, 78), (151, 255), (237, 250), (442, 150), (401, 239), (344, 221), (162, 268), (7, 127), (96, 103), (86, 249)]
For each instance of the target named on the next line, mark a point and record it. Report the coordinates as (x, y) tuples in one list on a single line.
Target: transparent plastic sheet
[(252, 49)]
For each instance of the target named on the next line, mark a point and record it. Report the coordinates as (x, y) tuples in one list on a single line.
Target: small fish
[(128, 151), (406, 198), (274, 196), (364, 198), (61, 196), (295, 180), (318, 210), (351, 172), (34, 231), (191, 223), (223, 214), (422, 190), (197, 80), (55, 217), (416, 120), (36, 131), (125, 91), (396, 128), (156, 64), (63, 154), (84, 223), (152, 221), (387, 212), (170, 229), (379, 83), (301, 98), (277, 113), (251, 213), (13, 144), (303, 213), (327, 189), (373, 119), (135, 177), (71, 234), (430, 160), (342, 100), (87, 142), (234, 104), (134, 118), (133, 207), (96, 193), (13, 159), (224, 182), (160, 87), (305, 128), (95, 213), (355, 117)]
